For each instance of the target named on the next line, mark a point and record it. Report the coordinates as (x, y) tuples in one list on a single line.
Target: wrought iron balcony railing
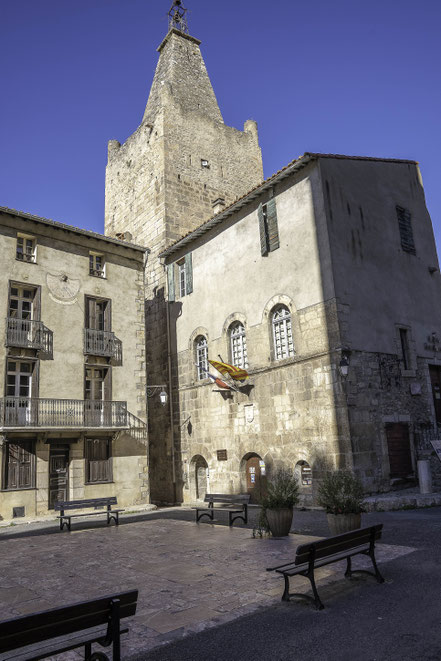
[(102, 343), (29, 334), (25, 412)]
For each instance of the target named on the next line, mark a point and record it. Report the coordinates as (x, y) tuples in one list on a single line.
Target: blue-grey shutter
[(188, 273), (262, 231), (273, 230), (171, 282)]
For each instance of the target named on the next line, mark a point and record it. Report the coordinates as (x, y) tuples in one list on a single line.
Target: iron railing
[(25, 412), (29, 334), (102, 343)]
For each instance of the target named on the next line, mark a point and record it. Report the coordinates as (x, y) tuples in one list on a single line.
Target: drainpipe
[(170, 399)]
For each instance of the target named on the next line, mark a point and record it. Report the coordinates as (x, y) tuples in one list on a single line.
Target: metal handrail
[(28, 334), (45, 412), (102, 343)]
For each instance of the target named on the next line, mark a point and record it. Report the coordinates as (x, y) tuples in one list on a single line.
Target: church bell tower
[(173, 173)]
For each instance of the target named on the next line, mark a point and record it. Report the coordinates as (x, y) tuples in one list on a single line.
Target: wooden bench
[(105, 613), (65, 519), (237, 506), (326, 551)]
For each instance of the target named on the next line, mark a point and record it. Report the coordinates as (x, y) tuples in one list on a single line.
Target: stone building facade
[(327, 267), (72, 392), (180, 166)]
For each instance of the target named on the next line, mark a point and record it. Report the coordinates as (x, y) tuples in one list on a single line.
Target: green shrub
[(341, 492), (282, 490)]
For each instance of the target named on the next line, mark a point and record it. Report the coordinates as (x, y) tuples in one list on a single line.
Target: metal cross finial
[(177, 17)]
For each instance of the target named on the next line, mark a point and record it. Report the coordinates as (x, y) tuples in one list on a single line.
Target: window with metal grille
[(238, 344), (98, 460), (201, 356), (406, 232), (282, 333), (19, 465), (26, 248)]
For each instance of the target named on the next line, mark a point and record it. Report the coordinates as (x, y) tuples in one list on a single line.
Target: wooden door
[(201, 470), (435, 379), (58, 475), (256, 478), (400, 458)]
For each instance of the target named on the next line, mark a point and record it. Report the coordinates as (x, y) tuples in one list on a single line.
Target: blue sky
[(345, 77)]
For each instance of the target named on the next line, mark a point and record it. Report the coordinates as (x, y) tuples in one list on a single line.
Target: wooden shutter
[(12, 466), (108, 384), (91, 313), (36, 305), (97, 453), (262, 231), (273, 230), (107, 316), (25, 466), (171, 282), (189, 273), (406, 232)]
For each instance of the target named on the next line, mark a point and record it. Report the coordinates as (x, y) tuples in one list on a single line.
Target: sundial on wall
[(62, 288)]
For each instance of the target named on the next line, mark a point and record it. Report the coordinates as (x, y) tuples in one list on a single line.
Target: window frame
[(182, 277), (284, 323), (201, 355), (93, 270), (407, 240), (27, 257), (240, 338), (32, 464), (88, 460)]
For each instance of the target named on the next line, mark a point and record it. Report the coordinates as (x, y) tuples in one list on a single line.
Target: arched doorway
[(255, 476), (199, 477)]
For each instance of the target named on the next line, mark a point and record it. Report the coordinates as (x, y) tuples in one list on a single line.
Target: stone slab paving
[(189, 576)]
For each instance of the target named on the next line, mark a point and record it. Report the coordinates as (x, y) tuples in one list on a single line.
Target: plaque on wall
[(222, 455)]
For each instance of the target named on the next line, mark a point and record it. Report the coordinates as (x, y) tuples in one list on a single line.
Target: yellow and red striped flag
[(236, 373)]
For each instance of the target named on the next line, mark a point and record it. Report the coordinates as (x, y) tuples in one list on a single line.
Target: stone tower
[(163, 182)]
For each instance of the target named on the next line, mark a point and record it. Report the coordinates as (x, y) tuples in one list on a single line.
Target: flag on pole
[(216, 379), (236, 373)]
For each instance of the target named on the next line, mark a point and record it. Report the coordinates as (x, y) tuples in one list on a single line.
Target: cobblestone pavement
[(190, 577)]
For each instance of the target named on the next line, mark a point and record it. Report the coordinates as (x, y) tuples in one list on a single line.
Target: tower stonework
[(161, 184)]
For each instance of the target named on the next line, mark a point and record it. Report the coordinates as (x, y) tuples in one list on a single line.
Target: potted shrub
[(341, 495), (277, 504)]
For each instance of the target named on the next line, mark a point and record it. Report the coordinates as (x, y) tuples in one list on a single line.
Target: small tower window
[(205, 164)]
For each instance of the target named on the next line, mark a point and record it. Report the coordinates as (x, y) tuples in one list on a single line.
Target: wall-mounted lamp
[(344, 365), (152, 390)]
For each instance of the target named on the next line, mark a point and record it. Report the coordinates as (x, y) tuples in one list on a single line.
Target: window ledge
[(18, 489), (98, 277), (91, 484), (25, 261)]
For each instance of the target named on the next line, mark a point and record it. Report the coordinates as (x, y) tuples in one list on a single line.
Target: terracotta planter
[(340, 523), (279, 521)]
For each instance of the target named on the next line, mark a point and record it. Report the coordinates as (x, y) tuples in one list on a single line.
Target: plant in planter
[(277, 504), (341, 495)]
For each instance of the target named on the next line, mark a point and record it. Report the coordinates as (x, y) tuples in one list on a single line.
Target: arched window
[(304, 473), (282, 333), (238, 344), (201, 349)]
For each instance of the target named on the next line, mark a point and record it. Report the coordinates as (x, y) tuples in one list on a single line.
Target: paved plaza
[(190, 577)]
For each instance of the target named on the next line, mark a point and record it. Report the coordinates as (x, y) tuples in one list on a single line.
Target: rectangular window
[(26, 248), (406, 232), (182, 278), (98, 314), (97, 266), (19, 465), (268, 227), (21, 302), (183, 271), (405, 353), (98, 457)]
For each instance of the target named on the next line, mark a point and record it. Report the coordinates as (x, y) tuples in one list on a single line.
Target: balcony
[(103, 343), (28, 334), (26, 413)]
